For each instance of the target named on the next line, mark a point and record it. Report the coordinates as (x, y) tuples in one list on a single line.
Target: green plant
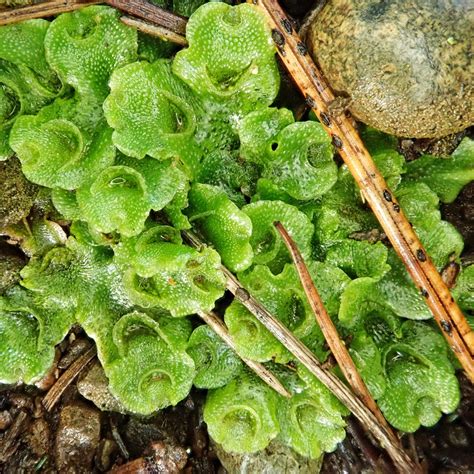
[(131, 152)]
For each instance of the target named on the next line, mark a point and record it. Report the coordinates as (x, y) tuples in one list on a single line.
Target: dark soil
[(76, 437), (461, 214)]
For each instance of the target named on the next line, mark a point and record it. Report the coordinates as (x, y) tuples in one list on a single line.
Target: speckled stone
[(77, 438), (405, 64), (276, 459), (94, 386)]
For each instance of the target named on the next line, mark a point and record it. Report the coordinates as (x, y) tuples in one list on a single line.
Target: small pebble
[(94, 386), (39, 437), (77, 438), (106, 451), (5, 420)]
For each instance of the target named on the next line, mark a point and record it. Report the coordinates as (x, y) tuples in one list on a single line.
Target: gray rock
[(94, 386), (406, 65), (276, 459), (77, 438)]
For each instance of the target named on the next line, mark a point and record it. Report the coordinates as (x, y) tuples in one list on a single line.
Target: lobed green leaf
[(266, 242), (216, 364), (242, 416), (445, 176), (153, 113), (222, 224), (69, 141), (230, 61)]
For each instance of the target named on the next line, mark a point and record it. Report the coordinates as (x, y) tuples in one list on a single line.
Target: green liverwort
[(129, 146)]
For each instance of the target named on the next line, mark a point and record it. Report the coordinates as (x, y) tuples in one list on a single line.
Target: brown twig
[(155, 30), (42, 10), (55, 392), (373, 456), (157, 22), (346, 140), (213, 321), (152, 14), (11, 439), (330, 333), (401, 460)]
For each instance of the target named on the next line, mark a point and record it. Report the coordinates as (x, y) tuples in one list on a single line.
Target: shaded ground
[(76, 437), (461, 214)]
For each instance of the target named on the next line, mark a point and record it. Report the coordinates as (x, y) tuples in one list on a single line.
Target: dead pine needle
[(383, 203), (338, 349), (155, 30), (153, 15), (401, 460), (215, 323), (146, 16), (56, 391), (42, 10)]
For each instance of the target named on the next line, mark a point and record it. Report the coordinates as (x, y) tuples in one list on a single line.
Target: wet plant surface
[(78, 437), (88, 430)]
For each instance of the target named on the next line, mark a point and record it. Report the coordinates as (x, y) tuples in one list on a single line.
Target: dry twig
[(42, 10), (11, 439), (338, 349), (150, 19), (319, 97), (152, 14), (401, 460), (55, 392), (220, 329), (155, 30)]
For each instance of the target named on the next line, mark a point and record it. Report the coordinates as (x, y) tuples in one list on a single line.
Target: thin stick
[(11, 439), (220, 329), (152, 14), (42, 10), (155, 30), (319, 96), (158, 22), (55, 392), (400, 459), (330, 333)]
